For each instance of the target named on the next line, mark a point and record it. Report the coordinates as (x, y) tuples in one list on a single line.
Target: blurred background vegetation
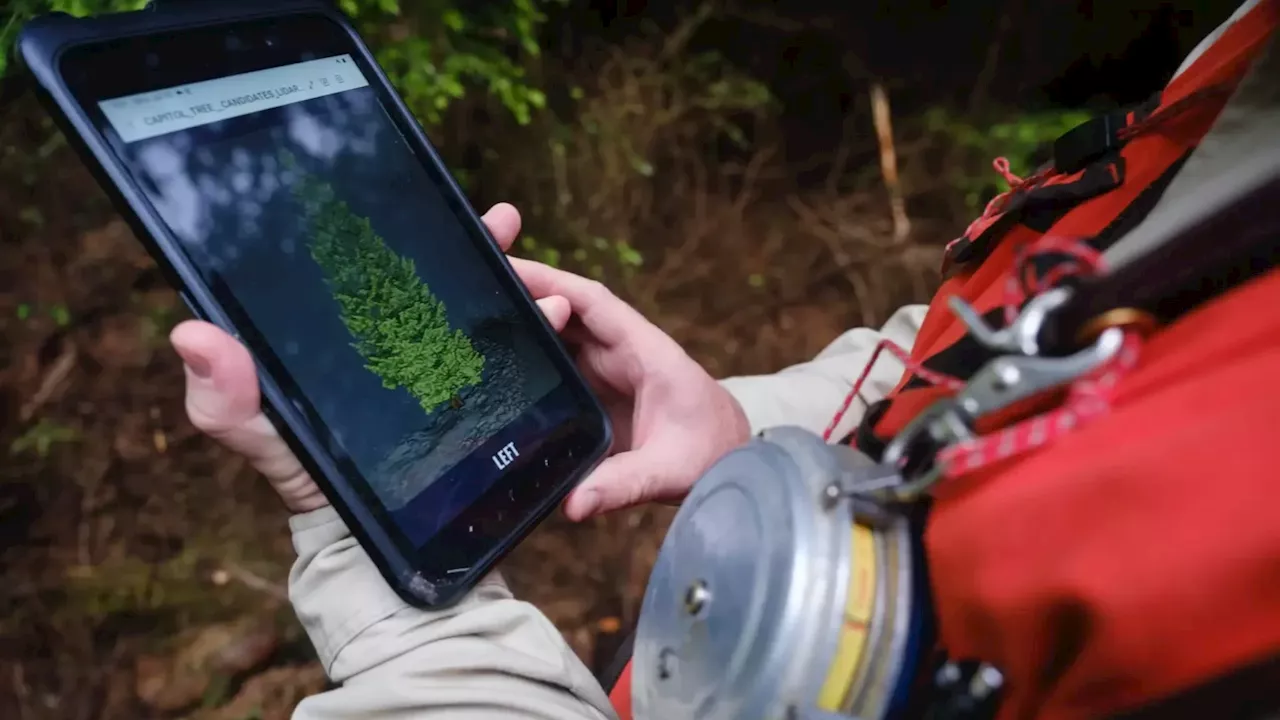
[(717, 163)]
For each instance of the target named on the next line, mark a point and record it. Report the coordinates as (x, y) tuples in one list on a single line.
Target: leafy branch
[(434, 51)]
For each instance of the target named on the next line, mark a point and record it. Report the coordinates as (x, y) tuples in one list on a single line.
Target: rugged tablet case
[(40, 46)]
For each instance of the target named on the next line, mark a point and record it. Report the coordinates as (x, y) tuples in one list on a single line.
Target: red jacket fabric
[(1138, 556)]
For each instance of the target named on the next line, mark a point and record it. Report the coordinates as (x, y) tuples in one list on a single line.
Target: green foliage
[(434, 51), (41, 437), (1018, 140), (130, 585), (58, 313), (61, 315), (592, 259), (400, 328), (646, 113), (32, 216), (726, 92), (156, 317), (19, 11), (539, 252)]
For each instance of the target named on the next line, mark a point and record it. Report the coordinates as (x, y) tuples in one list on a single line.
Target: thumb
[(223, 402), (222, 383), (621, 481)]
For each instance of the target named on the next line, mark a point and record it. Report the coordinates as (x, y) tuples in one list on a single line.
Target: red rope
[(996, 205), (1023, 282), (929, 376), (1087, 397), (1150, 123), (1001, 164)]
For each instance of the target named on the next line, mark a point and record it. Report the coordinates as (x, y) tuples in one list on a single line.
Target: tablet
[(275, 175)]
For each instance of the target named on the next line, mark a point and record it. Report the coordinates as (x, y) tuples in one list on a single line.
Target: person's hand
[(223, 399), (671, 419)]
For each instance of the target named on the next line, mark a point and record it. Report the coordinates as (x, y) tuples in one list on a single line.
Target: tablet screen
[(306, 208)]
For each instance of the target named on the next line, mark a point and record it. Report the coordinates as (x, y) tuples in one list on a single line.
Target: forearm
[(489, 656), (809, 394), (492, 655)]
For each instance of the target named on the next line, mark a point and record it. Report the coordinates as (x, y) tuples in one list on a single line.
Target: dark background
[(1077, 53)]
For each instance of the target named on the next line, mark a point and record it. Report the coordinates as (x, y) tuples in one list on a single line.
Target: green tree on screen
[(400, 327)]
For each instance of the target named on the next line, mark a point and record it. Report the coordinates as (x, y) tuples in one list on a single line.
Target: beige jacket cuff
[(809, 394), (488, 656)]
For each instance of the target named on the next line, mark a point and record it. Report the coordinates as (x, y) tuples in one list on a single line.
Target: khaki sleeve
[(490, 656), (809, 394)]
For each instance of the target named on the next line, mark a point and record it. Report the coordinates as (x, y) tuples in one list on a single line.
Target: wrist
[(315, 530)]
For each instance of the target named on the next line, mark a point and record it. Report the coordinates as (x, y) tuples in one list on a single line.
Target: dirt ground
[(144, 567)]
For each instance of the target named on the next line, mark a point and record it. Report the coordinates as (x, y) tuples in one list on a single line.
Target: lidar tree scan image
[(400, 328)]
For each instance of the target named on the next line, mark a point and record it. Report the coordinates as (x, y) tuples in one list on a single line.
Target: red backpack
[(1137, 557)]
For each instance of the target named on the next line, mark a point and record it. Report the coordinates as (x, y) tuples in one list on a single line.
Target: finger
[(557, 311), (223, 401), (503, 221), (222, 383), (609, 319), (612, 380), (621, 481)]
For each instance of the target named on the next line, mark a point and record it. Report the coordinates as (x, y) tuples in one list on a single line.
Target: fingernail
[(588, 504), (195, 362)]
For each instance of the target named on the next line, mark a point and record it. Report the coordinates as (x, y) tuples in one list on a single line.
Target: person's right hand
[(671, 419)]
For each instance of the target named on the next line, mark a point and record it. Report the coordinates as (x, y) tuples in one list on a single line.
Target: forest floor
[(144, 567)]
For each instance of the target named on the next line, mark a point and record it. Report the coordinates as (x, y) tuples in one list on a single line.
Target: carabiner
[(1021, 334), (1000, 384)]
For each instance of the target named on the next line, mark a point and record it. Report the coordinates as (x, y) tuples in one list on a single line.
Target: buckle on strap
[(1088, 141)]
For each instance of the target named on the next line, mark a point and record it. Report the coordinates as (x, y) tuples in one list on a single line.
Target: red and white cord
[(1087, 398)]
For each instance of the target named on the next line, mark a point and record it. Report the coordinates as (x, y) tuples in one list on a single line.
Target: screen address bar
[(146, 115)]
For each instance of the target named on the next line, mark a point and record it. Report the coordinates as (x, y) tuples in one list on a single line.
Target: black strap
[(1205, 259), (1088, 141), (612, 672)]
